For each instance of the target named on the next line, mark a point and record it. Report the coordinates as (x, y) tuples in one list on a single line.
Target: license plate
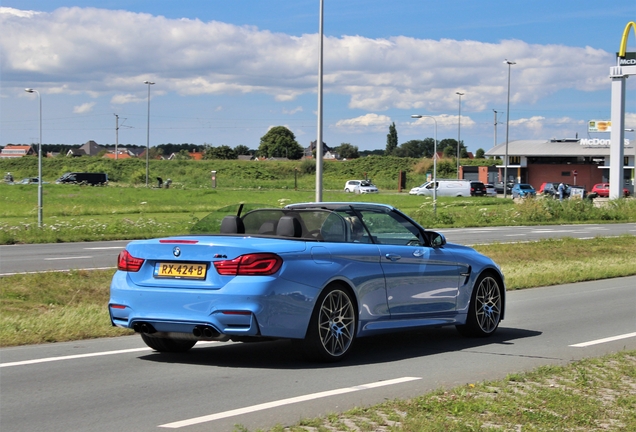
[(180, 270)]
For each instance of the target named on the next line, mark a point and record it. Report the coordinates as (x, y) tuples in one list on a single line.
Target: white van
[(452, 188)]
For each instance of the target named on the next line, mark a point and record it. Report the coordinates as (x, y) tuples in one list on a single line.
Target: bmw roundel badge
[(176, 251)]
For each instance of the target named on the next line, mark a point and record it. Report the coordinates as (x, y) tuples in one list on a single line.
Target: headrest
[(232, 225), (289, 226)]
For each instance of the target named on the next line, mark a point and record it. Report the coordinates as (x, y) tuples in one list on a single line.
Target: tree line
[(280, 142)]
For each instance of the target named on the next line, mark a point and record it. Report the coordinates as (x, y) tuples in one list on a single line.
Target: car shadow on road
[(284, 354)]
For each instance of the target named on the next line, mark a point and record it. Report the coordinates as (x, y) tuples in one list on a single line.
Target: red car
[(602, 190)]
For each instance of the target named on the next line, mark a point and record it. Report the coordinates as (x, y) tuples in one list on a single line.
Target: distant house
[(15, 151), (118, 155), (247, 157), (91, 148), (309, 151)]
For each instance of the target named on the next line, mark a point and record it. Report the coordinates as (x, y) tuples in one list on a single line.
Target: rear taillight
[(127, 262), (258, 264)]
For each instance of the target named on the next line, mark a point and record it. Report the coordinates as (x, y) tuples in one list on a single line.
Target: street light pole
[(495, 128), (40, 204), (505, 180), (434, 161), (149, 83), (459, 125), (319, 152)]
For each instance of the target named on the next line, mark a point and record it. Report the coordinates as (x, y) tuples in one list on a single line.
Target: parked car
[(93, 179), (551, 189), (452, 188), (477, 188), (360, 186), (522, 190), (30, 180), (490, 190), (602, 190), (351, 185), (321, 274), (366, 187), (500, 188)]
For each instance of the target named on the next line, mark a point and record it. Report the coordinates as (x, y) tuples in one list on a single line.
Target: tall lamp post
[(505, 181), (149, 83), (30, 90), (634, 170), (434, 161), (459, 125), (319, 149)]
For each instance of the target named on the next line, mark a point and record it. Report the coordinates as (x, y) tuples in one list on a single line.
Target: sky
[(226, 72)]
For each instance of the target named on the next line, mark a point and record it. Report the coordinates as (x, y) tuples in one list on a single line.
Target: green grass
[(587, 395), (84, 213)]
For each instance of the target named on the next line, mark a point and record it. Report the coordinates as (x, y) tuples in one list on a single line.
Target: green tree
[(280, 142), (155, 153), (449, 147), (480, 153), (242, 150), (415, 148), (347, 151), (183, 155), (391, 140), (220, 152)]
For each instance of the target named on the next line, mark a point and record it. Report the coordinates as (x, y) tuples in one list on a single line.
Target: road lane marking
[(80, 356), (105, 248), (289, 401), (71, 357), (604, 340), (67, 258), (56, 271)]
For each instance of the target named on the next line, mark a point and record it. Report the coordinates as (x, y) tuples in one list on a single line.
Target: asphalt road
[(119, 384), (99, 255)]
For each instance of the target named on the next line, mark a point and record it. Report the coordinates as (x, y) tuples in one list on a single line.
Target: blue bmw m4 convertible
[(321, 274)]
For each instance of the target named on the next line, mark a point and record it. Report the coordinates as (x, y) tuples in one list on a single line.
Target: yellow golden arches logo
[(621, 52)]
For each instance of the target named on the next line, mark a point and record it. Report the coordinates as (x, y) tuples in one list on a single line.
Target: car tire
[(333, 325), (484, 311), (163, 344), (347, 190)]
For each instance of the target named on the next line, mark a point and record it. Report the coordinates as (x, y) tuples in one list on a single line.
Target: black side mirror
[(437, 240)]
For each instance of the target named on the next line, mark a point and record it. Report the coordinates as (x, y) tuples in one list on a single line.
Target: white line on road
[(515, 235), (67, 258), (274, 404), (56, 271), (104, 248), (80, 356), (71, 357), (600, 341)]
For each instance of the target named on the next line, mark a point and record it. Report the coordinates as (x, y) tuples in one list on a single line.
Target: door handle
[(392, 257)]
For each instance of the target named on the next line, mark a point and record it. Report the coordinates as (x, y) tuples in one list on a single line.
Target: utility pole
[(116, 136), (495, 127)]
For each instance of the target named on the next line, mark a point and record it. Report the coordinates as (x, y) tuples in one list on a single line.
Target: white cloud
[(84, 108), (107, 51), (367, 122), (126, 98), (293, 111)]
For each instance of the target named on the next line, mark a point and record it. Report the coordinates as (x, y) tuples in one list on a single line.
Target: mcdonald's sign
[(623, 48)]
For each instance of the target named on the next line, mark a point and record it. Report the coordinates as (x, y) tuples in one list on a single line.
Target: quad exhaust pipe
[(205, 332), (145, 328)]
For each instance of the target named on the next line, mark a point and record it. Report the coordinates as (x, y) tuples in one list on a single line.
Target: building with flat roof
[(584, 161)]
